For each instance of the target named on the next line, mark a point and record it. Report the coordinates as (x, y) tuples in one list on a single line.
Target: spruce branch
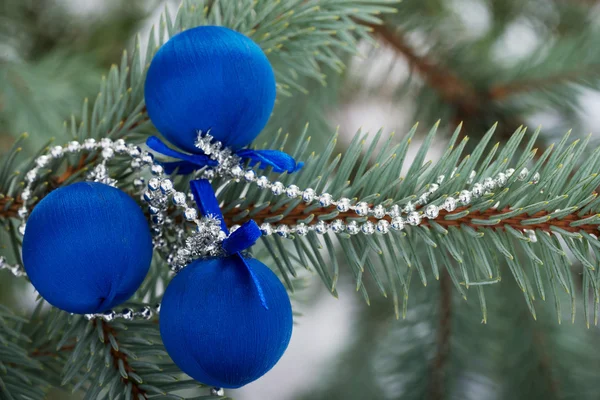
[(518, 225)]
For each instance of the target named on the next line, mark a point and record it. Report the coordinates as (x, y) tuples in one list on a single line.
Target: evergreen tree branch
[(450, 86), (502, 91)]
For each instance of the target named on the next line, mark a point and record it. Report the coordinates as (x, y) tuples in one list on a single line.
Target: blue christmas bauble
[(214, 326), (210, 78), (87, 247)]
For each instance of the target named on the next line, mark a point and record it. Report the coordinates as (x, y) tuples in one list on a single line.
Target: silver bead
[(22, 212), (424, 198), (89, 144), (292, 191), (236, 171), (42, 161), (432, 211), (282, 230), (56, 151), (362, 208), (368, 228), (440, 179), (337, 226), (343, 205), (394, 211), (478, 190), (262, 182), (277, 188), (301, 229), (379, 211), (73, 147), (146, 312), (510, 172), (108, 316), (105, 143), (134, 151), (127, 314), (464, 197), (22, 228), (501, 179), (433, 188), (414, 218), (147, 158), (157, 169), (523, 174), (166, 186), (179, 198), (409, 207), (352, 228), (321, 227), (120, 146), (308, 195), (489, 184), (536, 178), (397, 224), (26, 194), (449, 204), (31, 176), (266, 229), (190, 214), (157, 308), (217, 391), (325, 200), (108, 153), (148, 196), (250, 175), (154, 184), (383, 226)]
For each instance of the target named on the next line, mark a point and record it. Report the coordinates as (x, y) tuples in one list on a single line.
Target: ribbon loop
[(243, 238), (280, 162), (240, 240)]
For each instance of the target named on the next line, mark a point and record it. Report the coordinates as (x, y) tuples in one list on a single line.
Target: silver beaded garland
[(207, 235)]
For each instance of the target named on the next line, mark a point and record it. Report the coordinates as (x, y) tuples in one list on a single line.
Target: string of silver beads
[(108, 148), (15, 269), (414, 216), (145, 313)]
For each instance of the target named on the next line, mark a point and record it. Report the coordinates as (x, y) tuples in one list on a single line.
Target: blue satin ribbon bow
[(280, 161), (243, 238)]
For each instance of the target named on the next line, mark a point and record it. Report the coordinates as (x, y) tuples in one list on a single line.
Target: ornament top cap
[(210, 78)]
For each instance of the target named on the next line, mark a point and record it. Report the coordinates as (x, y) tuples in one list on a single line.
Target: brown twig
[(450, 86), (516, 222), (500, 92), (300, 213)]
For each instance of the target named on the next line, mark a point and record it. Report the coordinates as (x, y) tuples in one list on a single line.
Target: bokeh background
[(532, 62)]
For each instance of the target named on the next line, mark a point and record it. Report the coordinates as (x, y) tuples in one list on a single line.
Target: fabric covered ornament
[(87, 247), (214, 326), (225, 321), (210, 79)]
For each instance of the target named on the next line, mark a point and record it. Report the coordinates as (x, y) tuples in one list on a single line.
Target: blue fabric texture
[(278, 160), (240, 240), (87, 247), (210, 78), (214, 326)]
